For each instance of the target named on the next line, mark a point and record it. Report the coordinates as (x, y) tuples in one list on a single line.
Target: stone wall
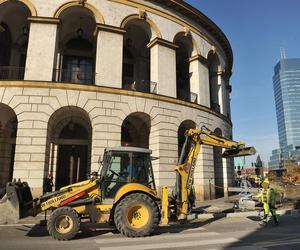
[(35, 103)]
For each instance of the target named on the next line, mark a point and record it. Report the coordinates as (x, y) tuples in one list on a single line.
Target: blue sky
[(256, 30)]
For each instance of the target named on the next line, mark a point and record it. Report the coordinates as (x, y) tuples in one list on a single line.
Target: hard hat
[(266, 183)]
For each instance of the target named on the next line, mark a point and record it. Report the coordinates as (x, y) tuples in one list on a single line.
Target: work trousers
[(267, 209)]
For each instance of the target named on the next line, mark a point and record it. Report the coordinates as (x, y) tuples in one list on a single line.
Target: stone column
[(163, 66), (41, 48), (200, 79), (226, 166), (204, 174), (109, 56)]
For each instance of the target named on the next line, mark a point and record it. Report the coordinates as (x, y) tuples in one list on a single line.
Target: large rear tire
[(136, 215), (63, 224)]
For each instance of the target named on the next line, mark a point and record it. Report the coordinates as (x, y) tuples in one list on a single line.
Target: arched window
[(213, 67), (183, 54), (5, 45), (14, 31), (136, 130), (8, 132), (136, 56), (76, 47), (184, 126)]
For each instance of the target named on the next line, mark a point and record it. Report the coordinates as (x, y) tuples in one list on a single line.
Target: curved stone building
[(79, 76)]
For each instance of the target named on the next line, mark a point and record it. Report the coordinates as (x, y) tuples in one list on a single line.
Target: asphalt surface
[(214, 233)]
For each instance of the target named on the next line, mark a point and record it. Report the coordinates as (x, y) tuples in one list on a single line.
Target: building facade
[(286, 83), (79, 76)]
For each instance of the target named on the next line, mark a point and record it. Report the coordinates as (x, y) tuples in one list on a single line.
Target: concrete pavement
[(214, 233)]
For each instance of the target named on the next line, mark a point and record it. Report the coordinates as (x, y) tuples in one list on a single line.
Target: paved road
[(221, 233)]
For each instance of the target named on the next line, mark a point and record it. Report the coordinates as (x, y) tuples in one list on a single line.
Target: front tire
[(136, 215), (63, 224)]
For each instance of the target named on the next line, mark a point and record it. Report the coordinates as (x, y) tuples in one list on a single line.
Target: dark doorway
[(72, 155), (184, 126), (183, 54), (213, 66), (69, 154), (71, 164), (8, 133), (78, 62), (136, 130), (12, 161), (14, 31), (76, 46), (136, 56), (5, 45)]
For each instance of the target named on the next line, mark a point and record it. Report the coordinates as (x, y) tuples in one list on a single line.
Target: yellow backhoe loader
[(124, 192)]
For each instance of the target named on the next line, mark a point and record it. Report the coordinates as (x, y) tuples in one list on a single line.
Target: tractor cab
[(122, 165)]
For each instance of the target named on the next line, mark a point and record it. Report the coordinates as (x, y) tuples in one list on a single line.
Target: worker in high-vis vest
[(268, 198)]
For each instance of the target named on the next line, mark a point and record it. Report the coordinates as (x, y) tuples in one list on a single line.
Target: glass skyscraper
[(286, 83)]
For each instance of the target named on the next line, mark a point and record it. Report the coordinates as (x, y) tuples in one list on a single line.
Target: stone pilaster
[(109, 56), (163, 143), (200, 79), (41, 49), (30, 157), (163, 66)]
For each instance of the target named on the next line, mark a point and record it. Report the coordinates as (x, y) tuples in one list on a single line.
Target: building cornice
[(108, 90), (162, 42), (109, 28), (197, 16), (41, 19), (199, 58)]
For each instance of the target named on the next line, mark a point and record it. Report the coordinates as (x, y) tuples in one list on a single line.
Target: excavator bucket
[(17, 203), (238, 152)]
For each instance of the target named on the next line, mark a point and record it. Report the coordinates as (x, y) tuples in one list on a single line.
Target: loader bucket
[(238, 152), (17, 203)]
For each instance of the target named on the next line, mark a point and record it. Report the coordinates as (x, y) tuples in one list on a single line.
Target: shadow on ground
[(272, 236), (86, 232)]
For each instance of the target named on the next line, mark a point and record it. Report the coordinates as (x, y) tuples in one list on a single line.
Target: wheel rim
[(138, 216), (64, 224)]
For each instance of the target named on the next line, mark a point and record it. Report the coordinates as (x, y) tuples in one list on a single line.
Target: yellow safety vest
[(268, 196)]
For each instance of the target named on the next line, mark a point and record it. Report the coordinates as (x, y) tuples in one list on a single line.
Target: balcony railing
[(216, 107), (194, 97), (145, 86), (11, 73), (74, 76)]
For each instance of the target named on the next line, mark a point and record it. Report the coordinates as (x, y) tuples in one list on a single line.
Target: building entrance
[(70, 139), (71, 164)]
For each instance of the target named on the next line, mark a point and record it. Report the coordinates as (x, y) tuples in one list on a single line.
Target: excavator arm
[(185, 168)]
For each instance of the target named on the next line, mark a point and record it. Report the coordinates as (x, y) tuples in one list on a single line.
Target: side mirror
[(153, 158)]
